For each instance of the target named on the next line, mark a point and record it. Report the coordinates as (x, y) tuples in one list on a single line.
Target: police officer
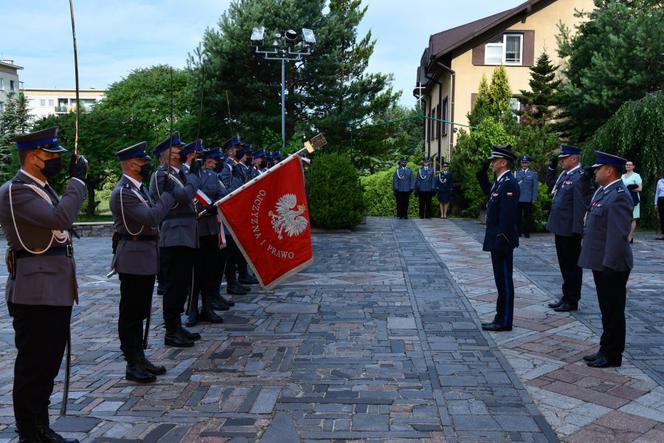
[(258, 164), (444, 186), (528, 186), (606, 251), (41, 287), (230, 174), (424, 185), (208, 257), (571, 192), (179, 236), (243, 157), (501, 235), (136, 220), (402, 186)]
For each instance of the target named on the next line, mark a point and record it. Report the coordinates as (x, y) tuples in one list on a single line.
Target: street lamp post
[(289, 47)]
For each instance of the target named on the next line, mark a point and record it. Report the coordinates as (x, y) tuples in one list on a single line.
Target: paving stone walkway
[(372, 343), (545, 348)]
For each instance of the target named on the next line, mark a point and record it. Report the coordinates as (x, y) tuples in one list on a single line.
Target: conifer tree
[(540, 101), (15, 120)]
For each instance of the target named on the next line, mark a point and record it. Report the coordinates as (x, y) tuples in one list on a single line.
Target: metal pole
[(283, 104)]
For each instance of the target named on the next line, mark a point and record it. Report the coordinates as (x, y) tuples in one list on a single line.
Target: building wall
[(45, 102), (7, 77), (545, 24), (441, 131)]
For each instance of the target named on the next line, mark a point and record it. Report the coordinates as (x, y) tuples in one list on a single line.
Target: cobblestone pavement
[(545, 348), (374, 342)]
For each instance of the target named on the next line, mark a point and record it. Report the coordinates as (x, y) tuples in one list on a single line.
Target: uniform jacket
[(180, 227), (527, 180), (135, 214), (244, 172), (443, 182), (402, 181), (40, 280), (230, 175), (605, 245), (572, 194), (424, 180), (501, 215), (213, 188)]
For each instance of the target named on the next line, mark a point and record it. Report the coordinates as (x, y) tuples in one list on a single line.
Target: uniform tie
[(51, 192)]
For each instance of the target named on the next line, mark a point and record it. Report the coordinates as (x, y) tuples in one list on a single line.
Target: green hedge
[(334, 192)]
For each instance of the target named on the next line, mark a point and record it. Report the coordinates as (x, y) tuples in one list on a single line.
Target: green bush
[(334, 192), (380, 199), (636, 132)]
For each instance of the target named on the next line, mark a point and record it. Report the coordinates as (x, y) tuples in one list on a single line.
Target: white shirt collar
[(134, 181), (574, 168), (40, 182), (501, 175), (610, 184)]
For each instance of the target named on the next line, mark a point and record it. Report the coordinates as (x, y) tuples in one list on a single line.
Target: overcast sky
[(117, 36)]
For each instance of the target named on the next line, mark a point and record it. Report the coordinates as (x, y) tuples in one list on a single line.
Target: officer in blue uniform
[(258, 164), (501, 235), (571, 192), (402, 186), (606, 251), (230, 174), (243, 157), (424, 186), (443, 184), (528, 185)]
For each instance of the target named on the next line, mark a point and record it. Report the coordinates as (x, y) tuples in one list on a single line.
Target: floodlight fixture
[(308, 36), (257, 35)]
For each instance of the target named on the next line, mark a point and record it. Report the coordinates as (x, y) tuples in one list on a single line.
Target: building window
[(50, 103), (2, 107), (506, 49), (445, 116), (434, 124), (42, 102), (515, 105), (2, 84), (11, 85)]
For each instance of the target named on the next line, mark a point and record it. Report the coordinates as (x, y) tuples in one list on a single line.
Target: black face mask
[(51, 166), (219, 167), (145, 172)]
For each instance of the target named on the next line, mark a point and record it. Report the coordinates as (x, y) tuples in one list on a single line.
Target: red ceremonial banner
[(269, 220)]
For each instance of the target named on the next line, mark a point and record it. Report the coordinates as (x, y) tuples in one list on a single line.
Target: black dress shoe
[(177, 340), (566, 307), (495, 327), (192, 319), (209, 316), (152, 368), (591, 357), (603, 362), (556, 304), (48, 435), (137, 372), (193, 336), (235, 289), (227, 301), (218, 305)]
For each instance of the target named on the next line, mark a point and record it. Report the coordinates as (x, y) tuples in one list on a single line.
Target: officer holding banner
[(41, 287), (136, 220)]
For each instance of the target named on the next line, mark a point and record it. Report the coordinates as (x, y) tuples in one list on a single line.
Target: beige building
[(455, 60), (48, 101), (9, 82)]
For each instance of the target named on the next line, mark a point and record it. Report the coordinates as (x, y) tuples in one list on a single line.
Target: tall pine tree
[(540, 101), (15, 120)]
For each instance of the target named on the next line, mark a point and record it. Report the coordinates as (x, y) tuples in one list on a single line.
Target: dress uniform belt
[(66, 251), (139, 237), (179, 215)]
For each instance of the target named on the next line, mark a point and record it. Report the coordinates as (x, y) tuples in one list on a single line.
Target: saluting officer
[(179, 236), (402, 186), (501, 235), (605, 250), (136, 220), (571, 192), (41, 287), (424, 185), (528, 185)]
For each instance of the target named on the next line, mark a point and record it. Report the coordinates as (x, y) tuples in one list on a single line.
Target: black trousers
[(135, 304), (525, 218), (660, 210), (40, 337), (502, 273), (568, 250), (612, 295), (234, 260), (425, 204), (206, 268), (176, 263), (402, 204)]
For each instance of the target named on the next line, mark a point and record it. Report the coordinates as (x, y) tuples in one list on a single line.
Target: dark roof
[(443, 43)]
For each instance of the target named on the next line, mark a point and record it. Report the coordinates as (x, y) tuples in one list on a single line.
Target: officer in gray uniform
[(179, 236), (402, 186), (136, 220), (424, 187), (258, 164), (230, 174), (606, 250), (243, 157), (571, 192), (41, 287), (528, 186)]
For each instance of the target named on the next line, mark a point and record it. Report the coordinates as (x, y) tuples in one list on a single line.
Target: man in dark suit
[(606, 250), (136, 255), (501, 235), (41, 287), (571, 192)]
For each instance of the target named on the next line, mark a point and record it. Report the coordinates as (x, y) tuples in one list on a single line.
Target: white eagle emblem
[(287, 219)]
